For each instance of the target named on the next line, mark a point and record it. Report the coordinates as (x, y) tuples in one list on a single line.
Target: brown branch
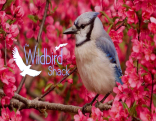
[(120, 25), (23, 103), (36, 45), (36, 117), (53, 87)]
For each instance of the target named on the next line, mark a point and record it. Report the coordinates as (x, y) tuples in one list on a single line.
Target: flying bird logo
[(25, 69), (61, 45)]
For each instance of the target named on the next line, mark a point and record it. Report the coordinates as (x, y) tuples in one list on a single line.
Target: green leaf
[(48, 87), (60, 85), (145, 68), (55, 9), (67, 96), (154, 99), (43, 112), (109, 19), (143, 74), (7, 4), (114, 18), (133, 109), (109, 28), (125, 105), (126, 6), (33, 18), (2, 31)]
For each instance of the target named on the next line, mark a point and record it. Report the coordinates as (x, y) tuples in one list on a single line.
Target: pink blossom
[(145, 115), (5, 100), (33, 30), (2, 1), (14, 30), (139, 92), (10, 63), (98, 8), (17, 11), (79, 116), (2, 16), (116, 36), (128, 97), (152, 25), (9, 89), (9, 40), (96, 114), (4, 75), (17, 116), (1, 63), (132, 17), (70, 81), (5, 114)]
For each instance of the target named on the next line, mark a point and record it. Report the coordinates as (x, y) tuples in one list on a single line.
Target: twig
[(120, 25), (36, 117), (17, 43), (23, 103), (53, 87), (36, 45)]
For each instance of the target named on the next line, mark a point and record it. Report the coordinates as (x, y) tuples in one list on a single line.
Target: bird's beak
[(71, 30)]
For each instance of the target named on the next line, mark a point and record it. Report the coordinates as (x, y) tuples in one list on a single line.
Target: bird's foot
[(97, 104), (84, 107)]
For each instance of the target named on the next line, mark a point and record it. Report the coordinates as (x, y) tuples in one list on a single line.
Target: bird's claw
[(84, 107), (97, 104)]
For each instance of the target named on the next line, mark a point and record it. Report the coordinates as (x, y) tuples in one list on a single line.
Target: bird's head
[(86, 27)]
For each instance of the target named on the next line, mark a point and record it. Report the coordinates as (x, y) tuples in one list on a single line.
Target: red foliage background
[(130, 23)]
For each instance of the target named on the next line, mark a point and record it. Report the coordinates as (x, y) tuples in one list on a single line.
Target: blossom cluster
[(8, 33)]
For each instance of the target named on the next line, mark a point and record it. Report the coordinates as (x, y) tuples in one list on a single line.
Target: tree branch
[(37, 42), (120, 25), (23, 103), (53, 87), (36, 117)]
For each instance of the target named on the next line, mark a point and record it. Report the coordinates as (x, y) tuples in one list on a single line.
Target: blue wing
[(107, 46)]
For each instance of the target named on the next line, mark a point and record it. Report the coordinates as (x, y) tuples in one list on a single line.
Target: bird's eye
[(82, 26)]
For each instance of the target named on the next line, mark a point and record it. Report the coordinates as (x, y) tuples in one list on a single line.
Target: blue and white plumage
[(96, 56)]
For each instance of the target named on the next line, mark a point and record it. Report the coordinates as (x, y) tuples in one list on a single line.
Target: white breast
[(95, 70)]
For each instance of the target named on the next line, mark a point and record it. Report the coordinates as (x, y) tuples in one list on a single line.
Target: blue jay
[(96, 56)]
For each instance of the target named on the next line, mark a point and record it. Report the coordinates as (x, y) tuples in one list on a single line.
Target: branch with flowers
[(23, 103)]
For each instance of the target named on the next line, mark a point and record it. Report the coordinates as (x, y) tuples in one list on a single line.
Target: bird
[(61, 45), (25, 69), (96, 57)]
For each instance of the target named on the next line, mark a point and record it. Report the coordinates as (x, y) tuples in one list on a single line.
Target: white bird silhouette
[(61, 45), (25, 69)]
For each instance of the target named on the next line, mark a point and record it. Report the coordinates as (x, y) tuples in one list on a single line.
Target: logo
[(26, 69)]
